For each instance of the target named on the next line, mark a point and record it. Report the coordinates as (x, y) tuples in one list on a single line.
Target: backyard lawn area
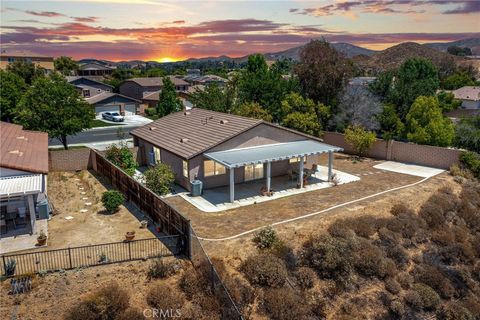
[(97, 123), (73, 226)]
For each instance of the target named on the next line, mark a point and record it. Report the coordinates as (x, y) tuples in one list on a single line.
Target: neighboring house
[(223, 149), (101, 96), (148, 89), (470, 96), (205, 80), (9, 56), (94, 69), (185, 95), (23, 178)]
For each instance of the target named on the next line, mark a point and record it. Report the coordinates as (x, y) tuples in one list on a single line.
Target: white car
[(113, 116)]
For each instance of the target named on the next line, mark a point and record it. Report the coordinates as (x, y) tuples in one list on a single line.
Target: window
[(297, 159), (86, 93), (254, 171), (212, 168), (156, 154), (10, 59), (185, 169)]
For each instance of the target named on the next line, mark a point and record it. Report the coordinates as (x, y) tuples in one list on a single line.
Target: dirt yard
[(54, 294), (235, 221), (93, 226)]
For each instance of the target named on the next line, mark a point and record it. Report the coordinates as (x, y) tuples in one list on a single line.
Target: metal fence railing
[(202, 263), (93, 255)]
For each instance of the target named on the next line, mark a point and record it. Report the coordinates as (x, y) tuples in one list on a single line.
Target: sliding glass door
[(253, 172)]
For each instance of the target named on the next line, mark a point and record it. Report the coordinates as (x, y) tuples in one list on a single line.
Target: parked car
[(113, 116)]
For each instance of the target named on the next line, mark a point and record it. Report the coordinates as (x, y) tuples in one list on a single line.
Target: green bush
[(265, 238), (151, 112), (360, 139), (423, 297), (471, 161), (265, 270), (107, 303), (111, 200), (159, 179), (122, 157)]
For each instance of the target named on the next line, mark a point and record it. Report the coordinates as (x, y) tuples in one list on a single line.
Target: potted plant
[(42, 238), (129, 235)]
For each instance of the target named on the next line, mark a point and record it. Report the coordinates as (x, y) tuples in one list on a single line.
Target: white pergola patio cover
[(235, 158), (269, 153), (21, 185)]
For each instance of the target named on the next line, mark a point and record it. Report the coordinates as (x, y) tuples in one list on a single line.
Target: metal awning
[(235, 158), (21, 185)]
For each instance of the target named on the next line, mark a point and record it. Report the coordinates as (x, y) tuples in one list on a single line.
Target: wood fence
[(168, 219)]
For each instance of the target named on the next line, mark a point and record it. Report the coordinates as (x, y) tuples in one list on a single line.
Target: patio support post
[(31, 209), (300, 173), (330, 165), (269, 175), (232, 184)]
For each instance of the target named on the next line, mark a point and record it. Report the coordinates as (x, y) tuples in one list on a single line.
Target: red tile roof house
[(223, 149), (23, 179)]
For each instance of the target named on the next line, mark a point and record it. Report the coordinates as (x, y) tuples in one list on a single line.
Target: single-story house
[(94, 69), (23, 178), (147, 90), (205, 80), (222, 149), (470, 97), (101, 96), (9, 56)]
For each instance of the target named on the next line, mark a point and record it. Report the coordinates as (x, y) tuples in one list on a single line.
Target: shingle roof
[(105, 95), (200, 130), (467, 93), (155, 95), (23, 149), (71, 79), (157, 81)]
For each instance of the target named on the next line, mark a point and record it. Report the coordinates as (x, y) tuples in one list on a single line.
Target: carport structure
[(235, 158)]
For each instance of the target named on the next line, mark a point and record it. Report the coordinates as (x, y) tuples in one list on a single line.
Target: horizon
[(174, 31)]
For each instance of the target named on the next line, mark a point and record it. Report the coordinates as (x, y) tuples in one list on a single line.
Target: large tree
[(263, 85), (304, 115), (26, 70), (425, 123), (213, 97), (322, 71), (11, 90), (357, 106), (168, 101), (252, 110), (390, 124), (65, 65), (467, 134), (416, 77), (457, 80), (54, 106)]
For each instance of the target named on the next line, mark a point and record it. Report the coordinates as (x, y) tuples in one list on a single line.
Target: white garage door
[(130, 109), (100, 110)]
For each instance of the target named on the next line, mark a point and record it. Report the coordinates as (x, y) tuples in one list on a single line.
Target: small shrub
[(457, 171), (265, 270), (284, 304), (161, 269), (443, 236), (285, 252), (413, 299), (432, 214), (369, 260), (433, 277), (471, 161), (405, 280), (107, 303), (159, 179), (392, 286), (454, 311), (122, 157), (265, 238), (131, 314), (194, 281), (340, 229), (111, 200), (364, 226), (401, 208), (151, 112), (399, 255), (162, 296), (426, 298), (360, 139), (397, 308), (305, 278), (330, 257)]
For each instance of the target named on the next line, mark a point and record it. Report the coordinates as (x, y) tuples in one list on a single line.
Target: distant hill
[(393, 57), (472, 43)]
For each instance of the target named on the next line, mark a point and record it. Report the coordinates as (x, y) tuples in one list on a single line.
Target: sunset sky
[(162, 31)]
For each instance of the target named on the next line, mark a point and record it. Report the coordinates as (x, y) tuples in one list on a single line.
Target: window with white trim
[(212, 168), (297, 159)]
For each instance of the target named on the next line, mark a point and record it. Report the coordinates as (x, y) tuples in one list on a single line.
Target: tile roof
[(71, 79), (199, 129), (23, 149), (155, 95), (105, 95), (467, 93), (157, 81)]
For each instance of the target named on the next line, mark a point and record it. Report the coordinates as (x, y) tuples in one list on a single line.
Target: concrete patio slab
[(217, 199), (410, 169), (23, 241)]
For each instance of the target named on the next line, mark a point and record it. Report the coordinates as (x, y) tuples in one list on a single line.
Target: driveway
[(131, 120)]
